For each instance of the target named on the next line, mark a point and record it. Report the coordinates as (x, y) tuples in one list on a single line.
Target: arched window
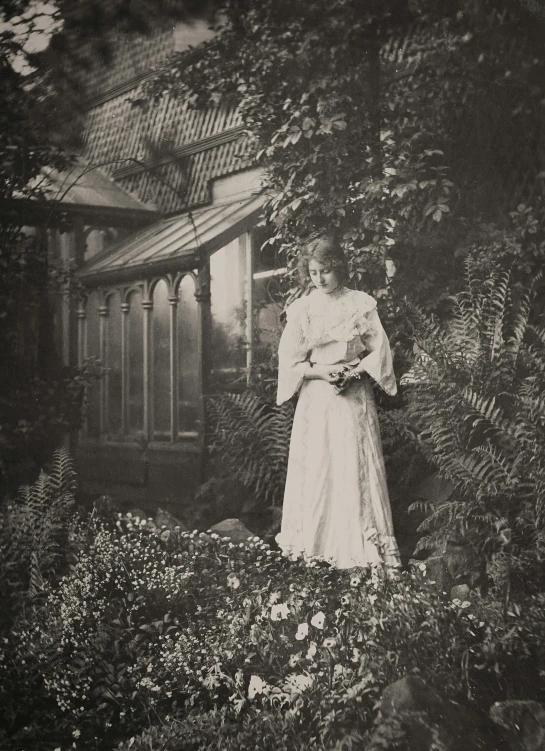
[(92, 349), (114, 365), (188, 356), (161, 362), (135, 364), (228, 272)]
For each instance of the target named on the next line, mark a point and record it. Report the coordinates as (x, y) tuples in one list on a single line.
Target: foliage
[(34, 531), (41, 399), (219, 731), (401, 125), (478, 403), (252, 438), (153, 624)]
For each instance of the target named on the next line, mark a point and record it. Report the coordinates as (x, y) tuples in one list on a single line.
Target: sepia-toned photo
[(272, 375)]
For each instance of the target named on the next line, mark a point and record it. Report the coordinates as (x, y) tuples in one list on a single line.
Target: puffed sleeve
[(293, 352), (378, 363)]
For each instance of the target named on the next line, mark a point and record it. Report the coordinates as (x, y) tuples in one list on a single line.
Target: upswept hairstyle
[(326, 249)]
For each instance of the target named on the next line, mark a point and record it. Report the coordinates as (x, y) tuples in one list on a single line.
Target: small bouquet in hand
[(343, 378)]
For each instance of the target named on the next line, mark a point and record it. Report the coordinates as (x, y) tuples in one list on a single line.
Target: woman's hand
[(343, 378), (349, 377), (322, 373)]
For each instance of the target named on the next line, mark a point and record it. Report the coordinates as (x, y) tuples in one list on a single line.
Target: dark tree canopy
[(405, 125)]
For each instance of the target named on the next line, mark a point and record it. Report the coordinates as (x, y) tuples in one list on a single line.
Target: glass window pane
[(93, 350), (135, 361), (188, 356), (113, 363), (267, 309), (161, 362), (228, 278)]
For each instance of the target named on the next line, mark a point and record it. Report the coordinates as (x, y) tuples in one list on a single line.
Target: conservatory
[(170, 311)]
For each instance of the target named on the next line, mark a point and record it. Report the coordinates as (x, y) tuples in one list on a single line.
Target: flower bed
[(175, 634)]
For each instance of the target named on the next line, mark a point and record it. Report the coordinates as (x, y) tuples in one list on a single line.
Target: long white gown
[(336, 503)]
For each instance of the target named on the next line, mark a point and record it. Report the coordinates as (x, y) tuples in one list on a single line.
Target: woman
[(336, 502)]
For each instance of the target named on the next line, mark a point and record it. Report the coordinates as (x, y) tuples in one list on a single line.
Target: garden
[(418, 138)]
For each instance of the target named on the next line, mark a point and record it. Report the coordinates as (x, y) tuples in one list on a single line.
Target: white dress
[(336, 503)]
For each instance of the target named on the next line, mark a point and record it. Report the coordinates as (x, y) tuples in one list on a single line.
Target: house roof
[(85, 185), (176, 242), (166, 152)]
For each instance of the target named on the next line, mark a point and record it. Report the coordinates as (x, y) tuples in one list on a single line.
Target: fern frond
[(479, 407), (252, 439)]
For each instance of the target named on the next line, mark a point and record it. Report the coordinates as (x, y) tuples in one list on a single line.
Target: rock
[(435, 489), (524, 722), (437, 572), (464, 564), (410, 694), (414, 717), (137, 513), (460, 592), (232, 528), (458, 565), (164, 518)]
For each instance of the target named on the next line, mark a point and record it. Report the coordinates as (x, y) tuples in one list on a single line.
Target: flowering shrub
[(154, 624)]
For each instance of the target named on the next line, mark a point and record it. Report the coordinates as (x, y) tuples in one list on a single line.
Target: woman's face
[(323, 276)]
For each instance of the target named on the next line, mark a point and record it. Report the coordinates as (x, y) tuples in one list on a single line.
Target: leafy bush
[(218, 731), (34, 530), (151, 624), (252, 439), (478, 402)]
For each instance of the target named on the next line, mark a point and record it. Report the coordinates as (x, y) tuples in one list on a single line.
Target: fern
[(477, 401), (252, 439), (34, 529)]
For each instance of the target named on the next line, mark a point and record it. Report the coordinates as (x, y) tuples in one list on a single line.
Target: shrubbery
[(208, 639)]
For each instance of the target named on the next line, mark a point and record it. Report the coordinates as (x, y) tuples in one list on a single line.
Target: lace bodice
[(338, 317), (329, 329)]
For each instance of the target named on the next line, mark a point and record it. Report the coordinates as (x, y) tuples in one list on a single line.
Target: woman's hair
[(324, 249)]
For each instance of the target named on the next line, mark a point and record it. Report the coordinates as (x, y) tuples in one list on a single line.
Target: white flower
[(466, 604), (457, 602), (356, 654), (233, 582), (279, 612), (311, 652), (330, 643), (372, 599), (294, 659), (346, 600), (422, 567), (302, 631), (76, 733), (318, 620), (275, 597), (296, 684), (355, 581), (257, 686)]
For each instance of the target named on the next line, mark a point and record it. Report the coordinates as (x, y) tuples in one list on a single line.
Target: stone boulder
[(458, 566), (234, 529), (524, 723), (164, 518), (460, 592), (414, 717)]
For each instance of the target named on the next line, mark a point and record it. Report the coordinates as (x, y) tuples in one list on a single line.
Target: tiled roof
[(166, 153), (175, 242), (84, 185)]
